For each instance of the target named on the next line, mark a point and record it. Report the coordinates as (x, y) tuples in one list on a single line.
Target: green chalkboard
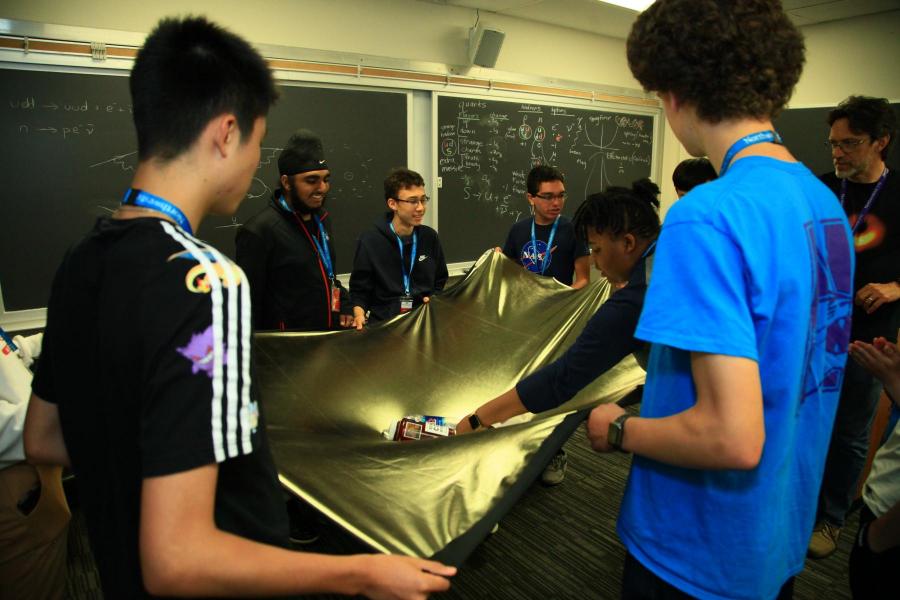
[(68, 150), (486, 147)]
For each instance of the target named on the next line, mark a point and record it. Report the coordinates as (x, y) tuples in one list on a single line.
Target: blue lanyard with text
[(760, 137), (144, 200), (549, 244), (322, 247), (865, 211), (412, 259)]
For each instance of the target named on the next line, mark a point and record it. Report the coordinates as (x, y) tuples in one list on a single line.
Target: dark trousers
[(639, 583), (872, 575), (849, 443)]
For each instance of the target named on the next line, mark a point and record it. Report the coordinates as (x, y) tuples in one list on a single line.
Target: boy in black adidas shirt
[(145, 384)]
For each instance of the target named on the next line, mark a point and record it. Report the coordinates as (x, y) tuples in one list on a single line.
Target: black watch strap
[(616, 432), (475, 422)]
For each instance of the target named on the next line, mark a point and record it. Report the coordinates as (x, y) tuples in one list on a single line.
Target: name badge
[(335, 298), (406, 303)]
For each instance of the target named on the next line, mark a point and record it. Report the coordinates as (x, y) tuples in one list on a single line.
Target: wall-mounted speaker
[(484, 45)]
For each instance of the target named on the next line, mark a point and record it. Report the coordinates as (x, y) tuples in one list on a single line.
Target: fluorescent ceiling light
[(638, 5)]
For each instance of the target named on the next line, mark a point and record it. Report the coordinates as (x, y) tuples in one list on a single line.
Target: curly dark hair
[(727, 58), (620, 210), (872, 116)]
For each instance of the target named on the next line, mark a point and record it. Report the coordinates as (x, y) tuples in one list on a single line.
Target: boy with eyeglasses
[(862, 134), (399, 262), (546, 244)]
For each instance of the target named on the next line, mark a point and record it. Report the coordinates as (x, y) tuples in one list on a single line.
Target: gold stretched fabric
[(328, 396)]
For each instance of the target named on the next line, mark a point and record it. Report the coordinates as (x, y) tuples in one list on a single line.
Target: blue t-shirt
[(756, 264)]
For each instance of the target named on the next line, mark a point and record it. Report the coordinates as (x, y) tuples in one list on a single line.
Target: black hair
[(727, 58), (620, 210), (541, 174), (401, 178), (872, 116), (692, 172), (188, 72)]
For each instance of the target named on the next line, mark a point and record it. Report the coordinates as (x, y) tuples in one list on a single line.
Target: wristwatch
[(616, 432), (475, 422)]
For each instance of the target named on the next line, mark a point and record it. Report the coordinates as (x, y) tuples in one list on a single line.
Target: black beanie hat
[(303, 152)]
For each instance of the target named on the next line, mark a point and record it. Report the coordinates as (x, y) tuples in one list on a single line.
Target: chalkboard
[(805, 131), (68, 150), (485, 149)]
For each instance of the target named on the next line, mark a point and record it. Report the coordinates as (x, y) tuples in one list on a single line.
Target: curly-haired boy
[(748, 313)]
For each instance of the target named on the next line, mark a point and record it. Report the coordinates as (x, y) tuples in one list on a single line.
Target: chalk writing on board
[(479, 140)]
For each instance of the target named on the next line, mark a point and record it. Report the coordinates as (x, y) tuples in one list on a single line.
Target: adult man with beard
[(286, 250), (862, 132)]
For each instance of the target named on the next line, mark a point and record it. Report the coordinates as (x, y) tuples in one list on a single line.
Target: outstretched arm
[(723, 430), (183, 553)]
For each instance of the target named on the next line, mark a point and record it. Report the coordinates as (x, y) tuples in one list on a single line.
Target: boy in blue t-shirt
[(748, 313)]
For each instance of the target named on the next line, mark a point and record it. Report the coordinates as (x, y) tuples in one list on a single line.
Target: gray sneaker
[(556, 470)]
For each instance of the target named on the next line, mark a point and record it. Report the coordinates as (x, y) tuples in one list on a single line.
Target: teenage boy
[(144, 386), (286, 249), (546, 244), (399, 262), (748, 314)]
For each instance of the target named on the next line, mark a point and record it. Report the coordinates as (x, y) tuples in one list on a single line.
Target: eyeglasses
[(846, 146), (414, 201), (550, 197)]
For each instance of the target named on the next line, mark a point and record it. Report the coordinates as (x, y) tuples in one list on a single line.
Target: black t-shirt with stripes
[(147, 354)]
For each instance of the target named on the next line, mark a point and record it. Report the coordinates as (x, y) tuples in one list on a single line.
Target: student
[(399, 262), (287, 251), (690, 173), (747, 313), (144, 385), (876, 549), (34, 515), (546, 244), (621, 226)]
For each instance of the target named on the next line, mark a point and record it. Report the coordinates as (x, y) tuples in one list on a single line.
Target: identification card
[(335, 298), (406, 304)]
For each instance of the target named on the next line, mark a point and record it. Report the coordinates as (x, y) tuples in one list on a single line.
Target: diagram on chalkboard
[(487, 147)]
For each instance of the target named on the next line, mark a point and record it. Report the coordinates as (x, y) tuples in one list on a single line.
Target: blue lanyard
[(412, 259), (865, 211), (321, 248), (760, 137), (549, 244), (144, 200), (8, 340), (324, 253), (649, 249)]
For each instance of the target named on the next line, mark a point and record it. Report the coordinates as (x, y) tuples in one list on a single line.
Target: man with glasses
[(546, 244), (287, 252), (399, 263), (862, 133)]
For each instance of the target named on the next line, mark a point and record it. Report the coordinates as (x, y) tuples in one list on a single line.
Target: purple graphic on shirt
[(200, 352)]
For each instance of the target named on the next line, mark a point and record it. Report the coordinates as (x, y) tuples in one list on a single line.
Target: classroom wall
[(853, 56), (843, 57)]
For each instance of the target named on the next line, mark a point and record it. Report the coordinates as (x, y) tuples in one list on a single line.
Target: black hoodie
[(288, 282), (376, 283)]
